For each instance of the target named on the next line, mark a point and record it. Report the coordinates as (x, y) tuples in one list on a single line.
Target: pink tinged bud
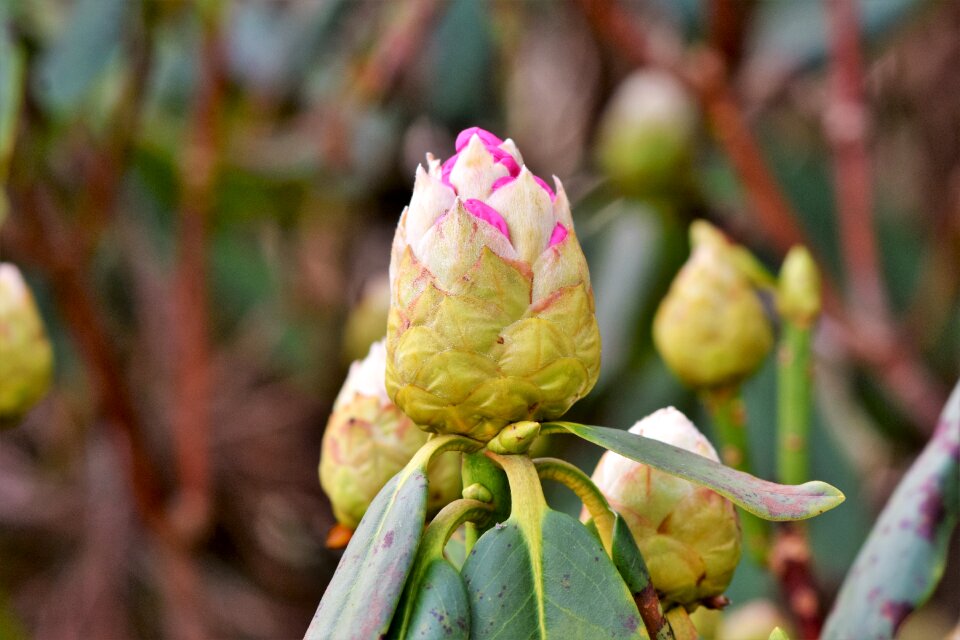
[(507, 160), (559, 234), (463, 138), (485, 212), (505, 180), (540, 181), (447, 168)]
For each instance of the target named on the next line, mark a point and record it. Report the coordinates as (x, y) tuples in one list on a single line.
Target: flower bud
[(368, 440), (798, 293), (688, 534), (711, 328), (26, 358), (753, 620), (492, 314), (645, 140), (367, 319)]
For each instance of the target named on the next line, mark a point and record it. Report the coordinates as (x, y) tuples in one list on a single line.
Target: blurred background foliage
[(202, 196)]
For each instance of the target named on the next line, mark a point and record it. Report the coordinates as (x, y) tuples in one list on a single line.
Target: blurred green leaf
[(68, 69), (461, 82), (11, 92), (903, 558), (794, 33)]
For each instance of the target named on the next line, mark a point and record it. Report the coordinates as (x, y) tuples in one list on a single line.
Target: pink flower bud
[(488, 138), (559, 234), (482, 210)]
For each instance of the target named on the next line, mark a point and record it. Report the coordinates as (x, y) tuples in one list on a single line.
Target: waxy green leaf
[(765, 499), (561, 586), (441, 608), (902, 560), (541, 574)]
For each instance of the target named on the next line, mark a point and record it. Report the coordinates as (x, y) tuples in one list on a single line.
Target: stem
[(790, 563), (730, 419), (478, 469), (790, 556), (794, 402), (681, 624), (580, 483)]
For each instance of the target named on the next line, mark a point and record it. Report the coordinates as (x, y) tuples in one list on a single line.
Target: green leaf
[(441, 609), (69, 68), (361, 598), (629, 562), (541, 574), (11, 93), (765, 499), (903, 559), (434, 602)]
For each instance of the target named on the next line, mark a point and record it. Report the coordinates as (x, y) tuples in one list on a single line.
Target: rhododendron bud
[(26, 358), (645, 140), (753, 620), (711, 328), (689, 535), (798, 294), (368, 440), (492, 314)]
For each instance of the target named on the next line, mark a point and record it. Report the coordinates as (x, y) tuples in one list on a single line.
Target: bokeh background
[(202, 196)]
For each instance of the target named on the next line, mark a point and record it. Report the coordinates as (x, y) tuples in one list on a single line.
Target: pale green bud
[(368, 319), (368, 440), (646, 137), (798, 294), (26, 357), (492, 315), (753, 620), (711, 328), (688, 534)]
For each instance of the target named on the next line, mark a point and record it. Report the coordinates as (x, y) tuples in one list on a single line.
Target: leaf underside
[(362, 595), (903, 558), (768, 500)]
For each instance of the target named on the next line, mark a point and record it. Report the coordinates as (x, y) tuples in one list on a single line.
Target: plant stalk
[(730, 419)]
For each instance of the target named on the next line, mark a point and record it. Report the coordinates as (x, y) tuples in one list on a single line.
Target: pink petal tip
[(559, 234), (543, 183), (488, 139), (485, 212)]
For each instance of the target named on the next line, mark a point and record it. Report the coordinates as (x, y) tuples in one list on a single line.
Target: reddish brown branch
[(51, 244), (845, 125), (648, 604), (790, 564), (728, 22), (191, 403)]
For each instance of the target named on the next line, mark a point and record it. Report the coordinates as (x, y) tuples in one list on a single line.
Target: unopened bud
[(26, 357)]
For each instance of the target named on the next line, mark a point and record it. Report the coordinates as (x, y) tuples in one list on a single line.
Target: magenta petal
[(501, 182), (482, 210), (511, 165), (559, 234), (447, 168), (463, 138), (540, 181)]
